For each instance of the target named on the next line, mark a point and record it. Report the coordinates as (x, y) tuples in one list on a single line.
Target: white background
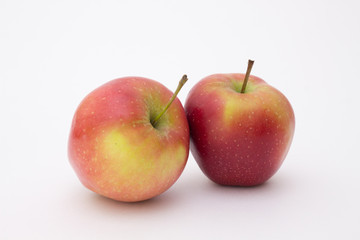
[(52, 53)]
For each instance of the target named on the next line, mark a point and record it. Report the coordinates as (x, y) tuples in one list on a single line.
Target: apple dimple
[(154, 111), (236, 85)]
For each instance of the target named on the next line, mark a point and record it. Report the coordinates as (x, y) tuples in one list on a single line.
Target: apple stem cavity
[(247, 75), (181, 84)]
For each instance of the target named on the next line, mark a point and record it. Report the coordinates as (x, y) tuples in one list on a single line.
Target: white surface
[(52, 53)]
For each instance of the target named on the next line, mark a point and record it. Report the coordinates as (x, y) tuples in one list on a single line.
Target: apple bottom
[(237, 171), (242, 154), (128, 164)]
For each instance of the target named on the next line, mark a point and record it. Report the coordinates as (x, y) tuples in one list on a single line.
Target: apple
[(241, 128), (128, 141)]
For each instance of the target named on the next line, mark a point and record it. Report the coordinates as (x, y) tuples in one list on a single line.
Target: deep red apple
[(126, 143), (240, 133)]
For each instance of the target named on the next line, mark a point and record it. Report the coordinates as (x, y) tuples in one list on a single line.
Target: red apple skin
[(114, 149), (238, 139)]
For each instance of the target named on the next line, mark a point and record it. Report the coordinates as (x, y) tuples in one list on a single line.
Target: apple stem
[(181, 84), (247, 75)]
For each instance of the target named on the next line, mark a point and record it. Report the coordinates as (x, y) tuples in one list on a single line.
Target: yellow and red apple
[(116, 148), (238, 138)]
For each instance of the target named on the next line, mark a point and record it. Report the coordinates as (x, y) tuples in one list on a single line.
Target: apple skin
[(114, 149), (238, 139)]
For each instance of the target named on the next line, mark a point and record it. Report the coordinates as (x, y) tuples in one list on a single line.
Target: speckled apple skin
[(238, 139), (114, 149)]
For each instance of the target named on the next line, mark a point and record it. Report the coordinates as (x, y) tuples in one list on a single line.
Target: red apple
[(124, 144), (239, 138)]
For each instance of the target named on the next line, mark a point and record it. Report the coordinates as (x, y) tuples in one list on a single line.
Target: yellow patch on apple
[(135, 167)]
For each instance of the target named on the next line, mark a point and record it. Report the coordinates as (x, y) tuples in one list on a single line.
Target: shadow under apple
[(160, 203)]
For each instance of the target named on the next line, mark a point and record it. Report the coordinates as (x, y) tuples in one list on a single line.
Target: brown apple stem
[(247, 75), (181, 84)]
